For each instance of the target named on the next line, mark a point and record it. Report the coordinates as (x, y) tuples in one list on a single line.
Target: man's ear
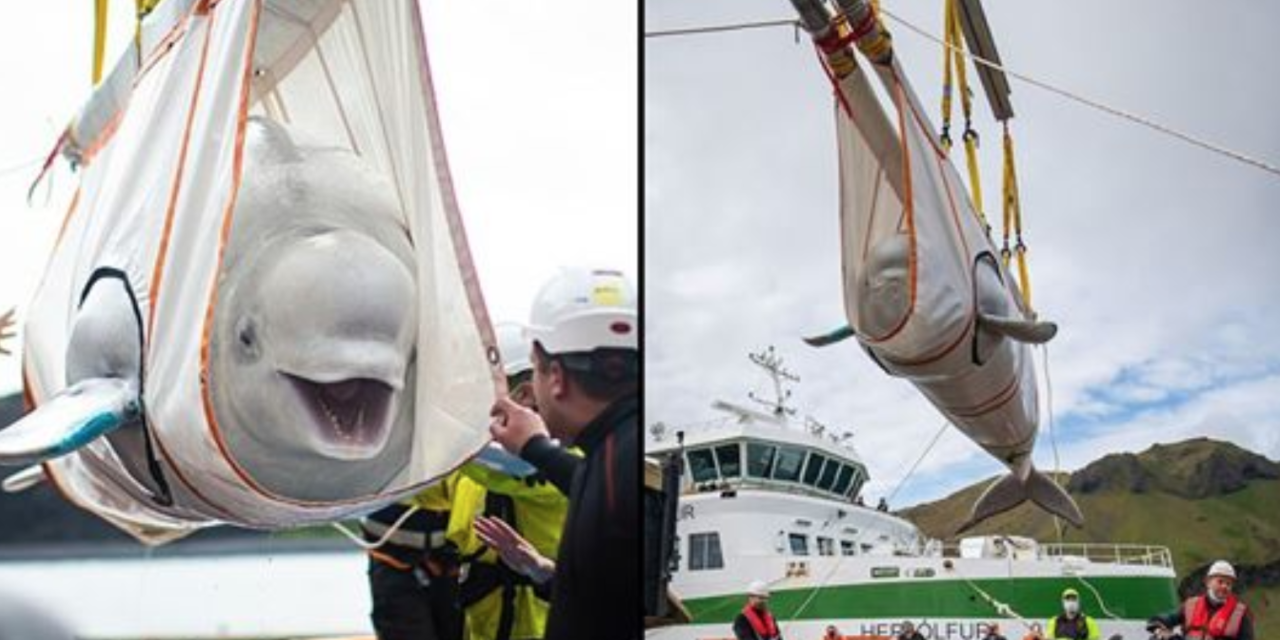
[(559, 380)]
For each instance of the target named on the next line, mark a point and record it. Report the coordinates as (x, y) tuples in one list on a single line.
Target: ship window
[(789, 461), (759, 459), (829, 475), (730, 458), (799, 544), (842, 481), (826, 546), (846, 547), (704, 551), (859, 478), (702, 466), (811, 470)]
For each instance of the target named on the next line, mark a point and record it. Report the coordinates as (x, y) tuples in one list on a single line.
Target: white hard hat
[(1222, 568), (513, 347), (581, 310), (758, 588)]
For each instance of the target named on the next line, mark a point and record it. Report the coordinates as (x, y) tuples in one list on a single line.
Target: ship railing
[(1130, 554), (1127, 554)]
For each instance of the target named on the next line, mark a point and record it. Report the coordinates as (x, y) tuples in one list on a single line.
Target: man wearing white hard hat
[(1218, 613), (755, 621), (586, 379)]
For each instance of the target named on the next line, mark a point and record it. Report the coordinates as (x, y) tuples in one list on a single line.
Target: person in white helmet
[(586, 379), (755, 621), (1218, 613)]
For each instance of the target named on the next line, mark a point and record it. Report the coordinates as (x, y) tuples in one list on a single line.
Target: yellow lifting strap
[(1013, 220), (99, 38), (953, 58), (100, 15)]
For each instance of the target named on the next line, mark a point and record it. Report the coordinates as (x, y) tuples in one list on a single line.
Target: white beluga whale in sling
[(256, 314), (311, 361), (926, 293)]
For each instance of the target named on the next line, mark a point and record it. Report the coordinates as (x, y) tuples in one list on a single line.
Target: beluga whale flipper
[(926, 294)]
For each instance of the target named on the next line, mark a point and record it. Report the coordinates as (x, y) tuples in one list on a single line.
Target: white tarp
[(896, 181), (157, 188)]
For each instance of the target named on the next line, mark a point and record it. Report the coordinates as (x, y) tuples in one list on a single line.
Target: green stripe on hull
[(1133, 598)]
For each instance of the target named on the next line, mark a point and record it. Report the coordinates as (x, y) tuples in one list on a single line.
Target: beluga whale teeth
[(349, 417)]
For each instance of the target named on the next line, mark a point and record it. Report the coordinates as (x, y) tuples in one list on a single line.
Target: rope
[(813, 593), (1064, 93), (1053, 433), (741, 26), (369, 546), (1101, 603), (1057, 471), (1002, 609), (911, 471), (20, 166), (1094, 104)]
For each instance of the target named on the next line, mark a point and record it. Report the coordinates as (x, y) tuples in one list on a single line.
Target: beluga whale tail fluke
[(1010, 491)]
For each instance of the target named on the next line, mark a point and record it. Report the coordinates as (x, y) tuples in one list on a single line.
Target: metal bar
[(977, 33)]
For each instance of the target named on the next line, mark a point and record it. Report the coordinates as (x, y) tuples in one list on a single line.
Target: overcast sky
[(1158, 260), (539, 104)]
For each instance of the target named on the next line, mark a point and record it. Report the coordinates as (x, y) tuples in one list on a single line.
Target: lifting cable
[(1063, 93)]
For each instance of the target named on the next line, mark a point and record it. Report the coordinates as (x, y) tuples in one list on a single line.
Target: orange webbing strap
[(388, 560), (1013, 218)]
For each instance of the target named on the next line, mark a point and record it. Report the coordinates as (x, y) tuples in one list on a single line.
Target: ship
[(764, 495)]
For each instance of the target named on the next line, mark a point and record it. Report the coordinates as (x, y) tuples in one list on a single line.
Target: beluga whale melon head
[(311, 357), (310, 360)]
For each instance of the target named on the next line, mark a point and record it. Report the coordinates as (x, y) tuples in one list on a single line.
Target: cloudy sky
[(1158, 260), (539, 112)]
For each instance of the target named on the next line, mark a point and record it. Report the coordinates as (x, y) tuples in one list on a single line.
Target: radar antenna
[(771, 362)]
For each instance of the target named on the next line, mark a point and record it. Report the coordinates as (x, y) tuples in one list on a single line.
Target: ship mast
[(771, 362)]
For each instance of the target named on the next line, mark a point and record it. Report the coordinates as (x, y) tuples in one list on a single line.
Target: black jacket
[(596, 590), (1177, 618)]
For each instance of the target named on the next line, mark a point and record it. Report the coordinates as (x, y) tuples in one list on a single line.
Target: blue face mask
[(1070, 606)]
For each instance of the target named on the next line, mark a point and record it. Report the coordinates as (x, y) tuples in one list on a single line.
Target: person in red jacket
[(1215, 615), (756, 622)]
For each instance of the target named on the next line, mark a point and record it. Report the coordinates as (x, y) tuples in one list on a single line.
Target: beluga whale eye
[(247, 338)]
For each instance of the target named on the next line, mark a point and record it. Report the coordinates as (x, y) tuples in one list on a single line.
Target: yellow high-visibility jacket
[(538, 510)]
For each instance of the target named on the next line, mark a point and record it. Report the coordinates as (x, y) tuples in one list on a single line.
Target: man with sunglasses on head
[(586, 379)]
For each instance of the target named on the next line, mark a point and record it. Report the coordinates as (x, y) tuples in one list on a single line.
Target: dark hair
[(603, 374)]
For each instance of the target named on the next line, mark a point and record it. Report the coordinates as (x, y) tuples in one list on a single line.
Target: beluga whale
[(926, 292), (261, 308)]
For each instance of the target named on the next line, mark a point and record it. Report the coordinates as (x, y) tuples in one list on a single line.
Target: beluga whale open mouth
[(350, 417)]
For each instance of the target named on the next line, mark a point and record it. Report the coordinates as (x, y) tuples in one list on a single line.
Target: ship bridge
[(754, 450)]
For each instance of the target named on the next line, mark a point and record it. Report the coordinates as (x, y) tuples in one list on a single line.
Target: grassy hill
[(1204, 499)]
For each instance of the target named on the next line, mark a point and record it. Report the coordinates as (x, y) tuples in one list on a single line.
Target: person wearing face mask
[(1216, 614), (1073, 623)]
